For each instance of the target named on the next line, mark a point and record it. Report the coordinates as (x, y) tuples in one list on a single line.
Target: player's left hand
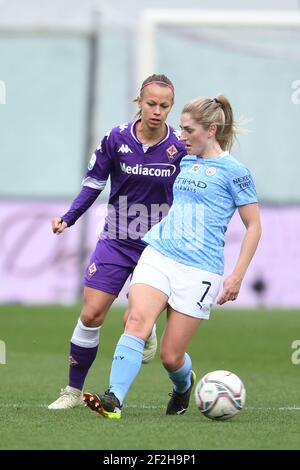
[(231, 288)]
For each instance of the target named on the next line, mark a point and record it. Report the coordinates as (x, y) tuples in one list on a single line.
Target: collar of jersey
[(212, 159), (139, 142)]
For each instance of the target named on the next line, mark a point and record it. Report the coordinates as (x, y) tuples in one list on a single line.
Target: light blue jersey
[(206, 194)]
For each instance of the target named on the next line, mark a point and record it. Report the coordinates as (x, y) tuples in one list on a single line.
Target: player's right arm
[(99, 169)]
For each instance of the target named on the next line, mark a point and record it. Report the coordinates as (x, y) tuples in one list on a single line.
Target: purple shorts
[(112, 262)]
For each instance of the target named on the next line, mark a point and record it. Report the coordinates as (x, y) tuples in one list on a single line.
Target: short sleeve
[(241, 186)]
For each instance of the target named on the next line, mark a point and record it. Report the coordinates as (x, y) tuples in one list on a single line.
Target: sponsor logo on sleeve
[(92, 162), (242, 182)]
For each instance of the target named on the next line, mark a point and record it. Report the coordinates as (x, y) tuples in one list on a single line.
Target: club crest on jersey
[(171, 152), (92, 269), (195, 168), (211, 171)]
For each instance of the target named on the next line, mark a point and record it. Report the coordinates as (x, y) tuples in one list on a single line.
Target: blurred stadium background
[(69, 71)]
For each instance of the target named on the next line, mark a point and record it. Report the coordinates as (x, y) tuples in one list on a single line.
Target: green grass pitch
[(255, 344)]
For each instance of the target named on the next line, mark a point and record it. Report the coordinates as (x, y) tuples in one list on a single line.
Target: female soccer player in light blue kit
[(141, 158), (181, 267)]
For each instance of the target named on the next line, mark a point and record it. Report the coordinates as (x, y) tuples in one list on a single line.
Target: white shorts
[(190, 290)]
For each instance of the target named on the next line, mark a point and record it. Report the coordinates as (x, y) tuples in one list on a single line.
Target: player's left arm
[(249, 214)]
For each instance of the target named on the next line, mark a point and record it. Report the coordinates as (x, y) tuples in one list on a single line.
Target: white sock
[(85, 336)]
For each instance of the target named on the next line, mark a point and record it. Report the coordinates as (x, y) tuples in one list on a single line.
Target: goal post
[(152, 19)]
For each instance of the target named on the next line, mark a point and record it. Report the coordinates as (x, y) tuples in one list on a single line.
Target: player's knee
[(92, 317), (170, 359), (136, 323)]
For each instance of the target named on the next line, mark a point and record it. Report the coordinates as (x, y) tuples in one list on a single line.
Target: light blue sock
[(181, 378), (126, 365)]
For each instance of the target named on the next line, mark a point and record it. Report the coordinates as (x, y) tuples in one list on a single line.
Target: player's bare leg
[(175, 340), (129, 350), (150, 344)]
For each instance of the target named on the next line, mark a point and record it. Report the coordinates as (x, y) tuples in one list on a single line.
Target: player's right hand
[(58, 225)]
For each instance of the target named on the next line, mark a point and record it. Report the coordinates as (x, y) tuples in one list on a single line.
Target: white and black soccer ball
[(220, 395)]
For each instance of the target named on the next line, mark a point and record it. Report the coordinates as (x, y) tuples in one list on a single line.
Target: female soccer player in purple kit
[(142, 159)]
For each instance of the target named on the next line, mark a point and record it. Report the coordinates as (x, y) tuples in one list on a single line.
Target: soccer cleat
[(150, 349), (69, 398), (179, 402), (106, 405)]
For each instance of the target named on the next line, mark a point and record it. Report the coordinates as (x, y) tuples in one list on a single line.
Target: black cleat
[(179, 402)]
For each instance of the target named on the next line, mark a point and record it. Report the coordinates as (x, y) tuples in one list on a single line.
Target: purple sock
[(81, 360)]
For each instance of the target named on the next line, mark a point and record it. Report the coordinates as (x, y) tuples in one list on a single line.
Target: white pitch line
[(27, 405), (20, 405), (281, 408), (153, 407)]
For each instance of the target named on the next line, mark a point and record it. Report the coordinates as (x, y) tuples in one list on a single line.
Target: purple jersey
[(142, 178)]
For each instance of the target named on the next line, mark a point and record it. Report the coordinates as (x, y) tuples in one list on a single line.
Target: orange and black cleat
[(106, 405)]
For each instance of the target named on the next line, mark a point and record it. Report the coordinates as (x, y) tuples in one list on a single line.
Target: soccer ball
[(220, 395)]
